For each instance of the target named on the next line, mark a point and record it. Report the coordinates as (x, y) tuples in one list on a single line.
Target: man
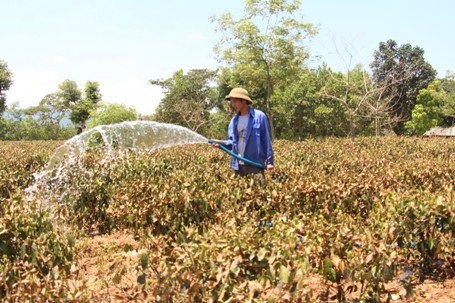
[(248, 135)]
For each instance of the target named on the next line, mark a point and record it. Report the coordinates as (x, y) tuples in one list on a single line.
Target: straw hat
[(239, 93)]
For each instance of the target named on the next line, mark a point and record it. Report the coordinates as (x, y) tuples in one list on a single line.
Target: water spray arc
[(109, 142)]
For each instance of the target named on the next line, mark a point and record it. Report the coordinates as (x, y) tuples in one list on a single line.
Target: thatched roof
[(440, 132)]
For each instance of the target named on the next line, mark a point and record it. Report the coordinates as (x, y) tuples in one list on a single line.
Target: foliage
[(68, 93), (46, 120), (264, 49), (404, 71), (41, 122), (81, 112), (188, 99), (219, 122), (352, 91), (427, 112), (79, 106), (37, 256), (19, 161), (303, 110), (352, 213), (6, 80), (448, 108), (111, 114)]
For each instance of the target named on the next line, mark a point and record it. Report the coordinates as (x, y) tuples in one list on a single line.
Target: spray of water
[(112, 141)]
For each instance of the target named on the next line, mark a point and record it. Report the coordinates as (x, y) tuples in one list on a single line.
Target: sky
[(123, 44)]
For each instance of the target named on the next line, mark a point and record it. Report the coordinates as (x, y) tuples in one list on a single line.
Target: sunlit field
[(367, 220)]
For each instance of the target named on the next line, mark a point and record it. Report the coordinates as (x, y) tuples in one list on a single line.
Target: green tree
[(404, 71), (448, 108), (49, 115), (12, 124), (427, 112), (49, 110), (265, 48), (304, 111), (76, 103), (80, 112), (41, 122), (19, 125), (6, 80), (325, 116), (188, 99), (111, 114), (69, 94), (3, 128)]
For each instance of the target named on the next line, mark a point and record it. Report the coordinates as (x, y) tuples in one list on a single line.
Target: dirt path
[(437, 292)]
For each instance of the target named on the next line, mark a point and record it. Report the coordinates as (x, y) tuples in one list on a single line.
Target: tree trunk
[(351, 125), (376, 122), (269, 110)]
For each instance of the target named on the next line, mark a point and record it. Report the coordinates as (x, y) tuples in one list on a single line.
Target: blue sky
[(123, 44)]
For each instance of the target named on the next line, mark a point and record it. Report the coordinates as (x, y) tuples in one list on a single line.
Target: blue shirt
[(258, 143)]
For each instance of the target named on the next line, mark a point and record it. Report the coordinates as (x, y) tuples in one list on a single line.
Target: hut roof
[(440, 132)]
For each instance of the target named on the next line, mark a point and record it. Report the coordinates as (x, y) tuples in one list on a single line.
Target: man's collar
[(250, 112)]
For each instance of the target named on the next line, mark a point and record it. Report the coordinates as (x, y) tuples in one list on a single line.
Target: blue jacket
[(258, 143)]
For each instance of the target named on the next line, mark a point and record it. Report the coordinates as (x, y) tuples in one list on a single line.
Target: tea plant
[(351, 214)]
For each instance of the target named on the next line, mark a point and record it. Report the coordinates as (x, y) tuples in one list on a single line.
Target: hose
[(224, 148)]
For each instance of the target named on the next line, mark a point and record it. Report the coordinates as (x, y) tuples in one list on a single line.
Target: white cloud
[(132, 92), (30, 86)]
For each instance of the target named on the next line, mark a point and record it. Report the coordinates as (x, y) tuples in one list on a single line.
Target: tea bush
[(355, 213), (37, 256), (19, 161)]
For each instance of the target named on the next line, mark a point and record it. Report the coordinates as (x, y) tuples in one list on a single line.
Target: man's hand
[(217, 143), (270, 168)]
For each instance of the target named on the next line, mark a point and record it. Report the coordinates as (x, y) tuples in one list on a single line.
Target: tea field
[(370, 220)]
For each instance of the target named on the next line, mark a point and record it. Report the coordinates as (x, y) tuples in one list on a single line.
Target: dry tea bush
[(355, 213)]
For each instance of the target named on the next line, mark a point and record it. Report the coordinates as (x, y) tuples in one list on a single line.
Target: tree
[(49, 110), (3, 128), (81, 111), (41, 122), (6, 80), (12, 125), (352, 90), (69, 94), (404, 62), (188, 99), (111, 114), (265, 48), (73, 101), (303, 111), (48, 115), (448, 108), (378, 104), (427, 112)]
